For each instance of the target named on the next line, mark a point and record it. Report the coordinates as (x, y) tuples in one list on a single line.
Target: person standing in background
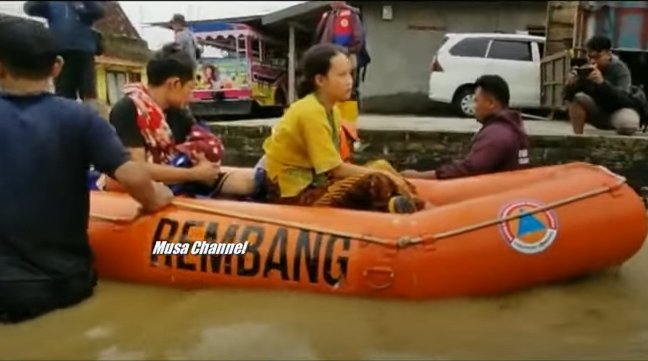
[(342, 26), (70, 22), (184, 37)]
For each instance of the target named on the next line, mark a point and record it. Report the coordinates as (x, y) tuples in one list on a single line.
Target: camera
[(584, 71)]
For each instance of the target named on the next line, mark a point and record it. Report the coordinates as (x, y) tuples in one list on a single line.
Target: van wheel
[(463, 101)]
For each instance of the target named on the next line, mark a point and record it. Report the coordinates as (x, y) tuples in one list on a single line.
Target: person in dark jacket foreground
[(500, 145), (70, 22), (47, 144)]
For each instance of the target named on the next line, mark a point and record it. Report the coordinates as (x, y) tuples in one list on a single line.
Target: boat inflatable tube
[(485, 235)]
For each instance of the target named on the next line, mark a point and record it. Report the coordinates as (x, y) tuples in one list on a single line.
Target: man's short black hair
[(170, 62), (27, 48), (599, 43), (496, 87)]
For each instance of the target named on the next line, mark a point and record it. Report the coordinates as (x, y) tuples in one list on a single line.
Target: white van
[(462, 58)]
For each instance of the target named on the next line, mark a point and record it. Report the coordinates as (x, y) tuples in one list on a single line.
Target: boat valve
[(379, 278), (404, 242)]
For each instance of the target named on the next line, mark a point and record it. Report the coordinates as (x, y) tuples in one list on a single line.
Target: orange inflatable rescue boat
[(485, 235)]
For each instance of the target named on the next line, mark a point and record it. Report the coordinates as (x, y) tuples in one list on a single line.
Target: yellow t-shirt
[(303, 146)]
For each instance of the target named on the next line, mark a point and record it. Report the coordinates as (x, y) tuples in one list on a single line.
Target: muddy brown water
[(602, 317)]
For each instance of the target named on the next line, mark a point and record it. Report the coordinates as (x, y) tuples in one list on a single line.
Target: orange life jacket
[(348, 136)]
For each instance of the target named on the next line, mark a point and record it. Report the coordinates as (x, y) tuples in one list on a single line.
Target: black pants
[(22, 301), (78, 78)]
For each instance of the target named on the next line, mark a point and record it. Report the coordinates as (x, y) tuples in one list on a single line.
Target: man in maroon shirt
[(500, 145)]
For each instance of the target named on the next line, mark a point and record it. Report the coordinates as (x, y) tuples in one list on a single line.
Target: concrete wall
[(402, 49), (424, 150)]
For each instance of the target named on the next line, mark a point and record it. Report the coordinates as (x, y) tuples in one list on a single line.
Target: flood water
[(603, 317)]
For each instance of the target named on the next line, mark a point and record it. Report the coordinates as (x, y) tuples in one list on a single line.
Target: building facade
[(402, 39), (125, 54)]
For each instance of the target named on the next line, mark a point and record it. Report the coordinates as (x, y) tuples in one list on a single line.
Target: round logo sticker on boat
[(528, 233)]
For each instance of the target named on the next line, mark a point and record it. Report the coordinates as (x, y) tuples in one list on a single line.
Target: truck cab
[(247, 77)]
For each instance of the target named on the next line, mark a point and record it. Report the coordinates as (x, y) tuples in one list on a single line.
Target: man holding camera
[(599, 93)]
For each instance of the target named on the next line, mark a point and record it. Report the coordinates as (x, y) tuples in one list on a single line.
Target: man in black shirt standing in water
[(47, 144)]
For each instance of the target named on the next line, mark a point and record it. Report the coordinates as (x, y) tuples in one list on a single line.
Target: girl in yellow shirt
[(302, 156)]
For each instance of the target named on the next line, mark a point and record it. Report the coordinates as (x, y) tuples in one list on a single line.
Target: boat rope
[(281, 223), (402, 242), (495, 221), (113, 219)]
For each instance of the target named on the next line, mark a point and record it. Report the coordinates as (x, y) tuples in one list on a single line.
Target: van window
[(510, 50), (471, 47)]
